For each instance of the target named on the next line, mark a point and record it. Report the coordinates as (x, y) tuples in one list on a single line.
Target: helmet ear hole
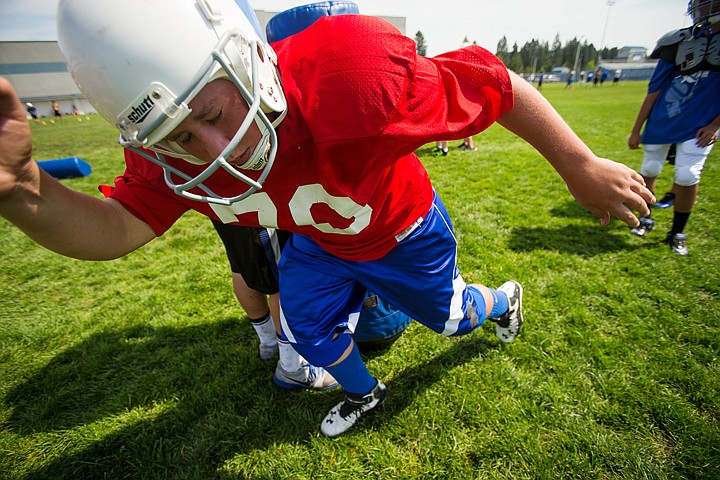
[(260, 52)]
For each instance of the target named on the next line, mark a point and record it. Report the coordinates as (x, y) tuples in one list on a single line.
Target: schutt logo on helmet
[(140, 112)]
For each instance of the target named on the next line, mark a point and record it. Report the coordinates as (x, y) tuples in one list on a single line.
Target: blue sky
[(445, 24)]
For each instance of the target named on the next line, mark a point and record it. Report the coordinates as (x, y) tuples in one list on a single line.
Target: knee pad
[(689, 163), (653, 160), (651, 169), (326, 352), (687, 175)]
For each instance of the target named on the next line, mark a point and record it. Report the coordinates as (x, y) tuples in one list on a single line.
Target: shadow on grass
[(179, 402), (570, 209), (583, 240), (586, 239)]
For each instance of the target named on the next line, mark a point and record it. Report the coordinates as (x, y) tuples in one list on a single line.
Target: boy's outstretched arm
[(642, 116), (60, 219), (600, 185)]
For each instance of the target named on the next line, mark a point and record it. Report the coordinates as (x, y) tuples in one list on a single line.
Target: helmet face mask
[(144, 85), (704, 12), (261, 159)]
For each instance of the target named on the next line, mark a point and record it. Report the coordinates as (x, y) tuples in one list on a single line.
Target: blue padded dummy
[(299, 18)]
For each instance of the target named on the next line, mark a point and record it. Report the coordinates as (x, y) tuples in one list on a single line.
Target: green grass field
[(145, 367)]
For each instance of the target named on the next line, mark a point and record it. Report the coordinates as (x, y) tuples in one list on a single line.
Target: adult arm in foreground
[(58, 218)]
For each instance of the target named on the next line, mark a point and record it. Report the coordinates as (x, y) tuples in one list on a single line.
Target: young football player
[(253, 254), (314, 135), (682, 107)]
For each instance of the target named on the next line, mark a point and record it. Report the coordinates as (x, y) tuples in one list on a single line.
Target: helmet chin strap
[(259, 157)]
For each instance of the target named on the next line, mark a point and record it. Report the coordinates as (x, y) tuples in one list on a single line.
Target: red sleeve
[(358, 79), (452, 96), (143, 192)]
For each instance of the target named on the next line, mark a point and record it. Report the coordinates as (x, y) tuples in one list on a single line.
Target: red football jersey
[(360, 102)]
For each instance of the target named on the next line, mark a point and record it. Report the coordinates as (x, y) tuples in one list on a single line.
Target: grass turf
[(145, 367)]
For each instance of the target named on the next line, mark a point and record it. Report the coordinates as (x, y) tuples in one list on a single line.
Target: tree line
[(542, 56)]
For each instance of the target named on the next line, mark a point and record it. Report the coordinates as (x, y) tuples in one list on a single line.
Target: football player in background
[(314, 135), (682, 107)]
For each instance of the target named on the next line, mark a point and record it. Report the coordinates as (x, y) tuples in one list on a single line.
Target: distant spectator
[(441, 149), (467, 144), (570, 80), (56, 110), (32, 110)]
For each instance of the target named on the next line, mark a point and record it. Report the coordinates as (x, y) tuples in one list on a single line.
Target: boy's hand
[(608, 188), (634, 141), (706, 136)]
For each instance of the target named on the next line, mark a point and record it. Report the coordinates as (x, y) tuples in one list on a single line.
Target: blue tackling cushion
[(299, 18)]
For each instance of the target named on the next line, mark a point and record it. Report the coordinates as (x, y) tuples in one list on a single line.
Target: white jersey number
[(302, 201)]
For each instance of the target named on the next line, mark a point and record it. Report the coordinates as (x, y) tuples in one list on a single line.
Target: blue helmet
[(703, 12)]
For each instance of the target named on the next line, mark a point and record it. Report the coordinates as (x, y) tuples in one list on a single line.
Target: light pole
[(577, 60), (609, 4)]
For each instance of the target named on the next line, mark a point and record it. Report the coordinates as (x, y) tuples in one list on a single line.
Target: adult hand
[(16, 163), (607, 188)]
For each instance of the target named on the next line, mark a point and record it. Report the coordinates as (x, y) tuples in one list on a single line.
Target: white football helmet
[(704, 12), (140, 62)]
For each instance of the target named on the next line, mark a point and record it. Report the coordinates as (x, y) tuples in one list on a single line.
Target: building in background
[(632, 54), (39, 75), (632, 63)]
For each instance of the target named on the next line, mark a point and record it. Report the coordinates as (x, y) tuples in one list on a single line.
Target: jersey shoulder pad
[(667, 44)]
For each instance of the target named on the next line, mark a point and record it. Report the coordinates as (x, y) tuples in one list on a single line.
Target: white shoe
[(677, 243), (346, 413), (646, 225), (507, 326), (309, 377)]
